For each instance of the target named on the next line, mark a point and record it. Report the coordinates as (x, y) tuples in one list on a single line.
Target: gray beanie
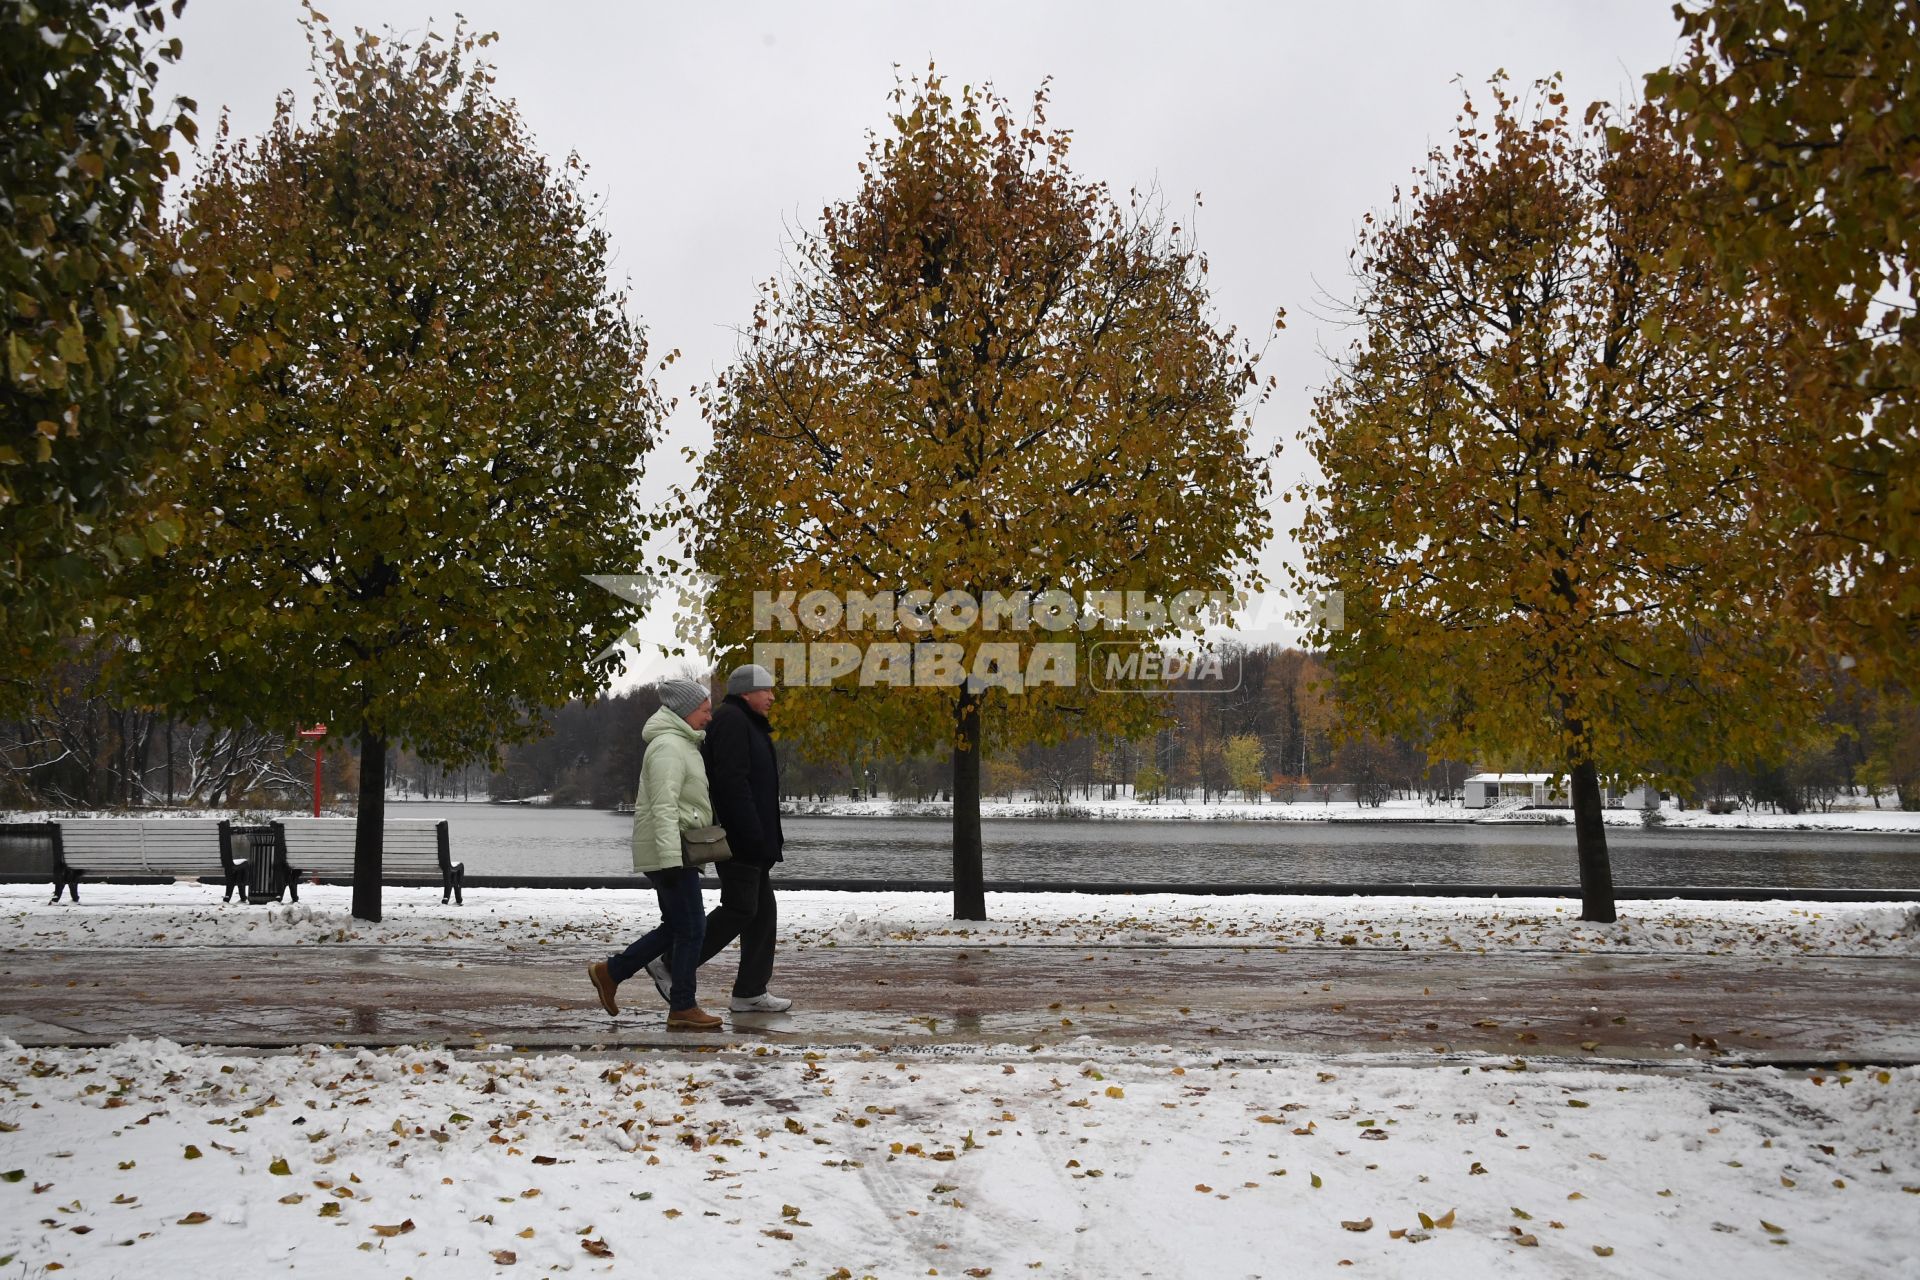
[(683, 697), (748, 678)]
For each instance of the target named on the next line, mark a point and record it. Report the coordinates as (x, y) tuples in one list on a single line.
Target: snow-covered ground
[(1304, 810), (159, 916), (150, 1159), (1092, 1160)]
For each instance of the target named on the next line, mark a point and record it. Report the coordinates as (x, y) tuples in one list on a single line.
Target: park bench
[(412, 853), (134, 850)]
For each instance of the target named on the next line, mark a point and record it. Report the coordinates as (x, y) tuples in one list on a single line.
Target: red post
[(317, 732)]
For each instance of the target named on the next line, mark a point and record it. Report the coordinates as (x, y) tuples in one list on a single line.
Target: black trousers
[(746, 912)]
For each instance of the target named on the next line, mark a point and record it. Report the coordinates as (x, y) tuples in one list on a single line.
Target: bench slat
[(311, 847)]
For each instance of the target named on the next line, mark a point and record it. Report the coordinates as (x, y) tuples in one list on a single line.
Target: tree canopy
[(429, 410), (1810, 112), (1538, 457), (981, 373), (89, 406)]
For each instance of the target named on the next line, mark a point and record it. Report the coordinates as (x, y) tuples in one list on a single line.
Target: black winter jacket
[(743, 775)]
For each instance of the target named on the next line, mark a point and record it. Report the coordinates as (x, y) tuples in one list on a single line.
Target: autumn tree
[(1244, 765), (982, 373), (429, 410), (89, 404), (1810, 113), (1535, 457), (1148, 783)]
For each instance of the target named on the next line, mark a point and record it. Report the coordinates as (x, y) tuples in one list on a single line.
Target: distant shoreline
[(1393, 812)]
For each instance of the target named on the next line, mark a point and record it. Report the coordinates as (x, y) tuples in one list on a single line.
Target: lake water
[(518, 840)]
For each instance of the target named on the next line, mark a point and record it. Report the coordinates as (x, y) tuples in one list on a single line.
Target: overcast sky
[(712, 131)]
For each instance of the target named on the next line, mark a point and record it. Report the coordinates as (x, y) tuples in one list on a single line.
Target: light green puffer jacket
[(673, 791)]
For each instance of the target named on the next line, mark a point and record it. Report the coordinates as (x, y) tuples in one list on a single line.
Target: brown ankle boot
[(603, 985), (691, 1018)]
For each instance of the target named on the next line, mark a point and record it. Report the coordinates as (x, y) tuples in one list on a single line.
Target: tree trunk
[(1590, 835), (969, 879), (369, 830)]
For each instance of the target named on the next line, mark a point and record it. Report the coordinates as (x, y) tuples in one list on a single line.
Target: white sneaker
[(765, 1002), (662, 977)]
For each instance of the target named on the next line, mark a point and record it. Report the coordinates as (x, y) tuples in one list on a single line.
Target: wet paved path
[(1224, 1000)]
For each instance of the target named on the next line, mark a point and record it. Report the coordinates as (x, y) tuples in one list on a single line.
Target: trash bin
[(266, 873)]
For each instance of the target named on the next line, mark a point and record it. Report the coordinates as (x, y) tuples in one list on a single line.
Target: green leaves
[(426, 408), (91, 394)]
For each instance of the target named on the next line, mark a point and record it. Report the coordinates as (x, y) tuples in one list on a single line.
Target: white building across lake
[(1537, 791)]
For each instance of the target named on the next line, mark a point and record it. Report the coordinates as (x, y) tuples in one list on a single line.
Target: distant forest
[(1279, 736)]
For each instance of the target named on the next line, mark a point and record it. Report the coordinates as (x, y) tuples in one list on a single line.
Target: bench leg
[(70, 882), (450, 885), (291, 885)]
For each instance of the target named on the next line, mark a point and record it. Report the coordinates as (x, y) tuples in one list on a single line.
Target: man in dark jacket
[(743, 775)]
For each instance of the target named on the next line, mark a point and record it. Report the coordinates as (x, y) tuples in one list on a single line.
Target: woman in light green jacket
[(672, 798)]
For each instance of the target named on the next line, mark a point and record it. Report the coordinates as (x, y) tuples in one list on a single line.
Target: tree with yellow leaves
[(1810, 113), (982, 374), (1537, 456)]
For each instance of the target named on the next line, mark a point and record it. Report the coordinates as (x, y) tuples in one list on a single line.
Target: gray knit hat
[(683, 697), (748, 678)]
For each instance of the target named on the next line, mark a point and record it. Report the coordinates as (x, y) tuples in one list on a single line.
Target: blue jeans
[(683, 926)]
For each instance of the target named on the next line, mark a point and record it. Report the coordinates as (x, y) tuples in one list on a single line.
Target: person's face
[(759, 700), (699, 716)]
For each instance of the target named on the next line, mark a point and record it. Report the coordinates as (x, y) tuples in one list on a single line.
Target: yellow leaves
[(279, 1168), (194, 1219), (1364, 1224), (597, 1248), (1444, 1222), (396, 1229), (505, 1257)]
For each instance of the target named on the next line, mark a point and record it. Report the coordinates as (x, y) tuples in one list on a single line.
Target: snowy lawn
[(160, 916), (149, 1159)]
